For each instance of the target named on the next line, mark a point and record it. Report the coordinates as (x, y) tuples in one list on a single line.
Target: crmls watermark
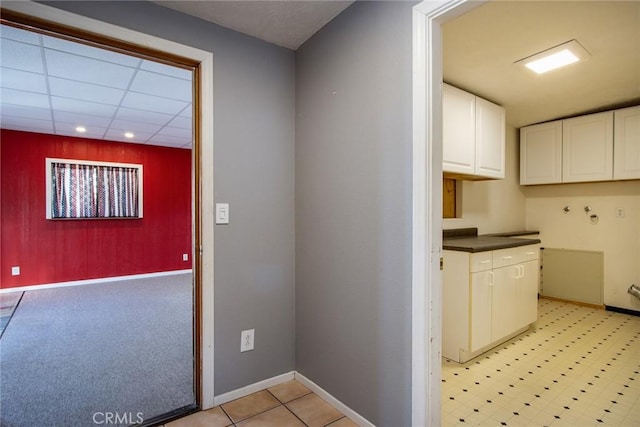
[(126, 418)]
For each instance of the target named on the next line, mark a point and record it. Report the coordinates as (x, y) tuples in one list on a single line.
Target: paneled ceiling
[(50, 85)]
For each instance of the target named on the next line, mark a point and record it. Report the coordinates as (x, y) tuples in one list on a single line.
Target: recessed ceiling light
[(81, 129), (555, 57), (129, 135)]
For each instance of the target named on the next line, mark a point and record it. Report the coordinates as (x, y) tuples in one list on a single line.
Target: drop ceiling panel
[(16, 34), (83, 69), (184, 134), (26, 99), (153, 103), (139, 127), (82, 107), (181, 122), (21, 56), (69, 129), (156, 67), (43, 78), (86, 120), (162, 85), (134, 115), (23, 80), (118, 135), (26, 112), (168, 141), (86, 51), (28, 124), (85, 91)]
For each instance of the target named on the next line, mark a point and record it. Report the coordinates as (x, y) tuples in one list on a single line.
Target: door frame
[(426, 286), (120, 38)]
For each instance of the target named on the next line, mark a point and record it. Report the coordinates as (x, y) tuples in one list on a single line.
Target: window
[(83, 189)]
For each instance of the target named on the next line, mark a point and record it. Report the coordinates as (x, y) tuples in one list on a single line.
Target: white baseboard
[(293, 375), (93, 281), (252, 388), (326, 396)]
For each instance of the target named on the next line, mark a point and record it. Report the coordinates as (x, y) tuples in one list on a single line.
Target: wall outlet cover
[(185, 257), (246, 340), (15, 271)]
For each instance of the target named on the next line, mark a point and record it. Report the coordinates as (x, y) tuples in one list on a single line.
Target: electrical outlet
[(15, 271), (619, 212), (185, 257), (246, 340)]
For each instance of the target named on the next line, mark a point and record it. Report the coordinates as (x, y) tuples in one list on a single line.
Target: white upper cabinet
[(541, 153), (473, 135), (626, 143), (587, 148), (595, 147)]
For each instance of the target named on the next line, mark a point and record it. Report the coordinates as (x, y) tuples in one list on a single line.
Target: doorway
[(70, 25)]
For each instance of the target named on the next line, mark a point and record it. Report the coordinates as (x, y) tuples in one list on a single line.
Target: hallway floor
[(576, 366), (289, 404)]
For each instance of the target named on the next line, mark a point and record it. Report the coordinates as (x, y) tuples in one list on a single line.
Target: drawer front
[(502, 257), (528, 253), (481, 261)]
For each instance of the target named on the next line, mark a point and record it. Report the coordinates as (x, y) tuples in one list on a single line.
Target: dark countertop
[(467, 240)]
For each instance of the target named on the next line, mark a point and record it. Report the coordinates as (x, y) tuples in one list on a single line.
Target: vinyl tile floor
[(289, 404), (576, 366)]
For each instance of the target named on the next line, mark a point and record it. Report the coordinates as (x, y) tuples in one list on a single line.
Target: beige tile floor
[(577, 366), (290, 404)]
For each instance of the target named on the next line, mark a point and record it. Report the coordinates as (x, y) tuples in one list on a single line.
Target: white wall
[(497, 205), (619, 238)]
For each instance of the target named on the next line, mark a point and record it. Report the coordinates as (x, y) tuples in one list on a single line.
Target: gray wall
[(254, 172), (353, 210)]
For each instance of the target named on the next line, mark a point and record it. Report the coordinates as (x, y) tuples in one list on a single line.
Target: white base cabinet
[(488, 298)]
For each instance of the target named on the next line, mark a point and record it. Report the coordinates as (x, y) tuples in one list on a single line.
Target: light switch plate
[(222, 213), (15, 271)]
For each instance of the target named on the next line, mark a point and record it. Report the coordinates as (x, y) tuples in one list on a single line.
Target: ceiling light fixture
[(129, 135), (555, 57), (81, 129)]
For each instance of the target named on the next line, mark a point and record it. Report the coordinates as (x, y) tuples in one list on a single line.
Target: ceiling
[(480, 49), (287, 23), (51, 85)]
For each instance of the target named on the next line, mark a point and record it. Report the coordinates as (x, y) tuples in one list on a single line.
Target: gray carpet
[(120, 347)]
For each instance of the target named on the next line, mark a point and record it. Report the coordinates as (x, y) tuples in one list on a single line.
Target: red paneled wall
[(51, 251)]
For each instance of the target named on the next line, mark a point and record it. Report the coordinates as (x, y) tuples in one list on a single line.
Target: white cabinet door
[(490, 130), (458, 131), (587, 148), (504, 309), (626, 143), (481, 295), (541, 153), (527, 311)]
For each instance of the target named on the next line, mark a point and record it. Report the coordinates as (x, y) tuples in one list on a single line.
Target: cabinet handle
[(520, 271), (530, 253), (491, 277), (485, 261), (507, 257)]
